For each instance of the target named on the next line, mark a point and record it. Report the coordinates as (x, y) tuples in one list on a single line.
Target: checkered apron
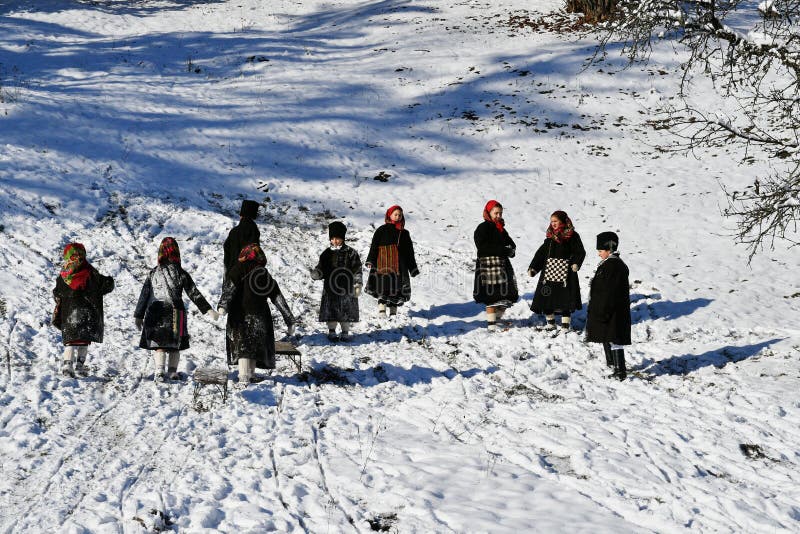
[(556, 270), (492, 270)]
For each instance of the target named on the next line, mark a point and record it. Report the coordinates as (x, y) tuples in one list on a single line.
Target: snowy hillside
[(122, 122)]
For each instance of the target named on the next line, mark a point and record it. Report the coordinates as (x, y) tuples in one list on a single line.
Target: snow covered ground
[(122, 122)]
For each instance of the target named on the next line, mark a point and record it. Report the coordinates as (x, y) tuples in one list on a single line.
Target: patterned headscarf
[(168, 251), (76, 269), (253, 252), (399, 224), (501, 224), (565, 232)]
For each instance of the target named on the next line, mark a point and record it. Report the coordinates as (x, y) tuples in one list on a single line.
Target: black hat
[(249, 209), (607, 241), (336, 229)]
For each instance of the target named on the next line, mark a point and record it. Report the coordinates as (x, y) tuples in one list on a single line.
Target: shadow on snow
[(688, 363), (138, 8), (461, 310), (90, 87), (664, 309), (384, 372)]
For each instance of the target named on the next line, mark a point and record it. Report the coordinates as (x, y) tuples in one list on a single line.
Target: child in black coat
[(339, 267), (242, 234), (558, 260), (495, 283), (79, 307), (609, 319), (249, 332), (391, 263), (160, 313)]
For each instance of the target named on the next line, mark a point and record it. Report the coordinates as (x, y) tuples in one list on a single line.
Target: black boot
[(609, 355), (619, 364)]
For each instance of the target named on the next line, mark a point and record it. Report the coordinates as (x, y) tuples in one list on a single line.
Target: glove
[(316, 274), (139, 323), (356, 291), (511, 251), (221, 311), (414, 273), (211, 314), (532, 272), (574, 267), (368, 266), (290, 330)]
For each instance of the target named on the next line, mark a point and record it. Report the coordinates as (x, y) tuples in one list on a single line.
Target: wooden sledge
[(209, 376), (217, 378), (285, 348)]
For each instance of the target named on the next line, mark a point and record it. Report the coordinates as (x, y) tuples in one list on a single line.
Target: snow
[(132, 121)]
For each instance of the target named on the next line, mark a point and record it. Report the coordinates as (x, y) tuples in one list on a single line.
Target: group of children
[(391, 264), (557, 262), (161, 316)]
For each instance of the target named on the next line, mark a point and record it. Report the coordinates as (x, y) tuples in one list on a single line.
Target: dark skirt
[(81, 325), (340, 308), (253, 338), (495, 282), (393, 289), (556, 297), (165, 327)]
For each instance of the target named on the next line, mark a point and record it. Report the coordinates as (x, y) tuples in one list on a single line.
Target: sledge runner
[(495, 283), (391, 263), (339, 267), (79, 307), (161, 314)]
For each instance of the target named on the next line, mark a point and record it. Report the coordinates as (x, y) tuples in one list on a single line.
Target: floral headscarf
[(253, 252), (501, 224), (399, 224), (168, 251), (76, 269), (565, 232)]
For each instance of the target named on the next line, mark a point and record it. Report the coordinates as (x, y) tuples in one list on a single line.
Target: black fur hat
[(607, 241), (336, 229), (249, 209)]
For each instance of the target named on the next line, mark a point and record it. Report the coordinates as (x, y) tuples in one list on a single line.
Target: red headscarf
[(399, 224), (168, 251), (253, 252), (499, 224), (565, 232), (76, 269)]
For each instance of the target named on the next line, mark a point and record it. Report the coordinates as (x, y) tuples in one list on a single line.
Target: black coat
[(242, 234), (249, 332), (609, 319), (161, 306), (495, 284), (551, 297), (393, 288), (81, 311), (341, 272)]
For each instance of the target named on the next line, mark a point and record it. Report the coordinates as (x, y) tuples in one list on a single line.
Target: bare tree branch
[(751, 55)]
